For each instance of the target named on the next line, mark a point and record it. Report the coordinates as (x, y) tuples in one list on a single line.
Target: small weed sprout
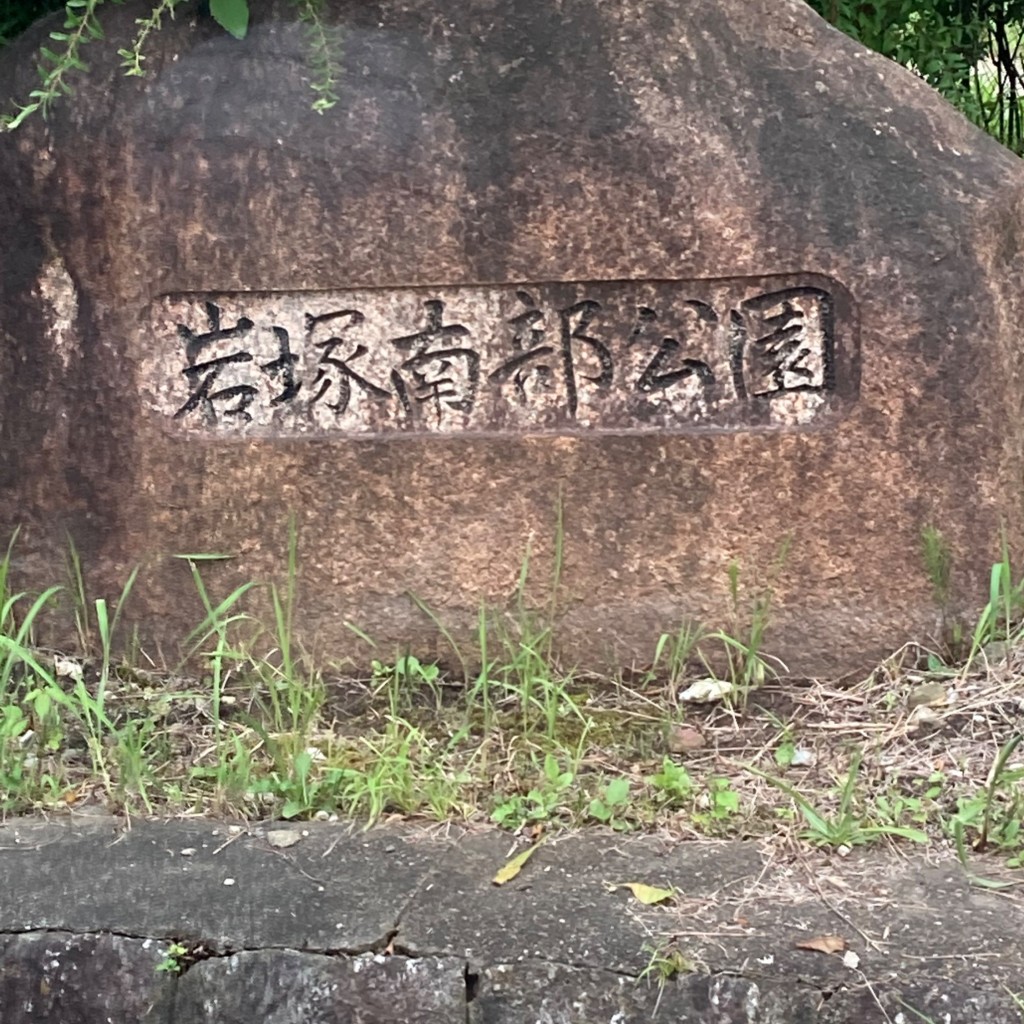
[(846, 825), (666, 962), (404, 679), (993, 817), (785, 752), (747, 667), (718, 804), (1000, 619), (673, 652), (609, 807), (541, 803), (174, 960), (672, 784)]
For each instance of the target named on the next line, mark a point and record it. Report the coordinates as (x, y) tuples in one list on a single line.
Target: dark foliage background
[(970, 50), (17, 15)]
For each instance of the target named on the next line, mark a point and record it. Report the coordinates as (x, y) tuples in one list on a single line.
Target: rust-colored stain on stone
[(615, 356), (706, 276)]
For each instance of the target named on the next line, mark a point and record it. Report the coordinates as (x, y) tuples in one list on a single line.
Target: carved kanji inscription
[(521, 358)]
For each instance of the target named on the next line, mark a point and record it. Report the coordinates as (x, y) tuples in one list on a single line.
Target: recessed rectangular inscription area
[(518, 358)]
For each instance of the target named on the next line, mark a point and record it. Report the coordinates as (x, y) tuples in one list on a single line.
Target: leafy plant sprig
[(81, 25), (132, 57), (323, 54)]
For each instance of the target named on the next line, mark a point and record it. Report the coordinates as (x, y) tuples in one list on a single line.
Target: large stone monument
[(707, 273)]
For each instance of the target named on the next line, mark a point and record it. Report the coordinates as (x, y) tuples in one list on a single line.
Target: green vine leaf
[(231, 15), (132, 58), (80, 27), (324, 53)]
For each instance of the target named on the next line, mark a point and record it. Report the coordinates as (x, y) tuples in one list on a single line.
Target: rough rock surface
[(286, 987), (60, 978), (402, 926), (788, 273)]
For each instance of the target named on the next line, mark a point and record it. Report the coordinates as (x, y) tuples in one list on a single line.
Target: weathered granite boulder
[(708, 271)]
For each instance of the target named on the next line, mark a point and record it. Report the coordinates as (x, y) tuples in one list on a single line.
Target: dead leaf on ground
[(923, 718), (824, 944), (648, 895), (514, 866), (928, 695)]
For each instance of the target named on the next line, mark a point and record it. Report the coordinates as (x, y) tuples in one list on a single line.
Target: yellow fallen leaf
[(514, 866), (649, 895), (824, 944)]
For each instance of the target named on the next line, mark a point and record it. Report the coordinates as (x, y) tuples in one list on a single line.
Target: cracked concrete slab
[(922, 1002), (560, 907), (50, 977), (284, 986), (337, 889), (530, 992), (902, 918), (908, 925), (561, 943)]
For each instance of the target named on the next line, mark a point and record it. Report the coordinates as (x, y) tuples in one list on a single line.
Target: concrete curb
[(403, 924)]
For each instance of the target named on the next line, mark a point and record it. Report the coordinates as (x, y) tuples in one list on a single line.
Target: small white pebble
[(282, 838), (67, 668)]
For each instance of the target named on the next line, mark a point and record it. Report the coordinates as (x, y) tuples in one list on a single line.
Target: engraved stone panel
[(527, 358)]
